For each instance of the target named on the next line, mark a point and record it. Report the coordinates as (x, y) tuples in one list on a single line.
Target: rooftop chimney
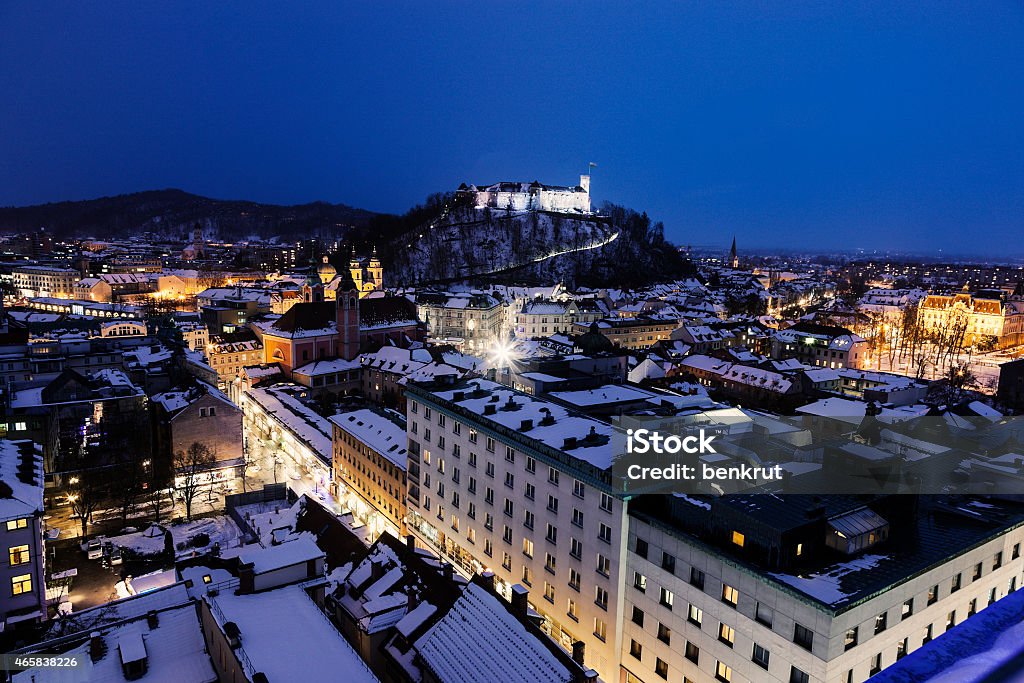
[(410, 542), (152, 619), (520, 602), (489, 409), (578, 650), (526, 425), (97, 648), (487, 579)]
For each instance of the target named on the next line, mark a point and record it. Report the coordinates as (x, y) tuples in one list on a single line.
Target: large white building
[(45, 281), (533, 196), (736, 601), (504, 481)]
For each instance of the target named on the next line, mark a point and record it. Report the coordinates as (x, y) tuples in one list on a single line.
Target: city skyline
[(871, 127)]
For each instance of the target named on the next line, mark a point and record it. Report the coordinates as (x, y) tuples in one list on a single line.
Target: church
[(366, 273), (317, 328)]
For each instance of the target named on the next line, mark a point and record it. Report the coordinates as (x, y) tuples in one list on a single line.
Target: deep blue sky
[(785, 123)]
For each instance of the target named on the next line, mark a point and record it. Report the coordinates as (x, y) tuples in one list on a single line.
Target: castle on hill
[(530, 196)]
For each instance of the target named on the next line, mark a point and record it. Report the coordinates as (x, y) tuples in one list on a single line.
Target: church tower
[(355, 266), (734, 259), (347, 315), (376, 271), (313, 288)]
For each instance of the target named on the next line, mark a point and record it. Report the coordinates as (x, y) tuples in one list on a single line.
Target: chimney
[(449, 571), (459, 396), (569, 443), (578, 650), (520, 602), (246, 578), (152, 619), (487, 579), (489, 409), (526, 425), (410, 543), (97, 648)]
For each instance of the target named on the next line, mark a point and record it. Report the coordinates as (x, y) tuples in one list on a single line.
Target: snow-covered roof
[(376, 431), (285, 636), (323, 367), (21, 479), (279, 401), (297, 551), (174, 649), (552, 425), (607, 394), (480, 641)]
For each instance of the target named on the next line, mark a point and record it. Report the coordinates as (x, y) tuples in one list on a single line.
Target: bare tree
[(85, 495), (191, 466), (158, 501)]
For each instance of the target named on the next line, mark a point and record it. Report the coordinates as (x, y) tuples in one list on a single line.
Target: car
[(115, 556), (94, 549)]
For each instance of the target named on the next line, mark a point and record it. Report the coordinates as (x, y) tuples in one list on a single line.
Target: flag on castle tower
[(593, 165)]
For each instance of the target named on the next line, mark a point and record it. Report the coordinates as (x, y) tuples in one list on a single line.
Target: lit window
[(21, 584), (738, 538), (18, 554)]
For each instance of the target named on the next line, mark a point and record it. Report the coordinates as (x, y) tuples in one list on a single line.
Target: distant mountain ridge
[(172, 212)]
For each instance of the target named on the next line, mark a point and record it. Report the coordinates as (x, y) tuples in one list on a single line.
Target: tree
[(85, 494), (158, 501), (190, 467)]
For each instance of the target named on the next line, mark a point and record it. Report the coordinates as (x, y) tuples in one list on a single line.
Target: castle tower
[(347, 317)]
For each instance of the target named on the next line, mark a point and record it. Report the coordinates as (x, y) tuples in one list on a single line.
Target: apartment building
[(503, 481), (542, 317), (45, 281), (368, 468), (22, 586), (630, 333), (229, 353), (804, 589), (471, 322), (823, 346)]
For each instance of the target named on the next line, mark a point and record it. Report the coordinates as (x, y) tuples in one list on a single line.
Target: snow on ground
[(150, 541), (825, 586)]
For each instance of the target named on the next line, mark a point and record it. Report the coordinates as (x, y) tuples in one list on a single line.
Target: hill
[(444, 242), (171, 213)]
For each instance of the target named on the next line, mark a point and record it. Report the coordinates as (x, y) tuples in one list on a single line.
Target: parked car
[(115, 556), (94, 549)]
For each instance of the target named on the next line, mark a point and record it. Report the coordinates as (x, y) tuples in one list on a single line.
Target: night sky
[(786, 124)]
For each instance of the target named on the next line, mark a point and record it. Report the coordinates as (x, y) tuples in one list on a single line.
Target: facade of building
[(541, 318), (518, 485), (740, 603), (369, 467), (22, 573), (203, 415), (45, 281), (631, 333), (470, 322), (985, 315), (530, 196), (820, 345), (229, 353)]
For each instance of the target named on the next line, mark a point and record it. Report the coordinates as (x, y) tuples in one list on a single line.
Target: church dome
[(326, 271)]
